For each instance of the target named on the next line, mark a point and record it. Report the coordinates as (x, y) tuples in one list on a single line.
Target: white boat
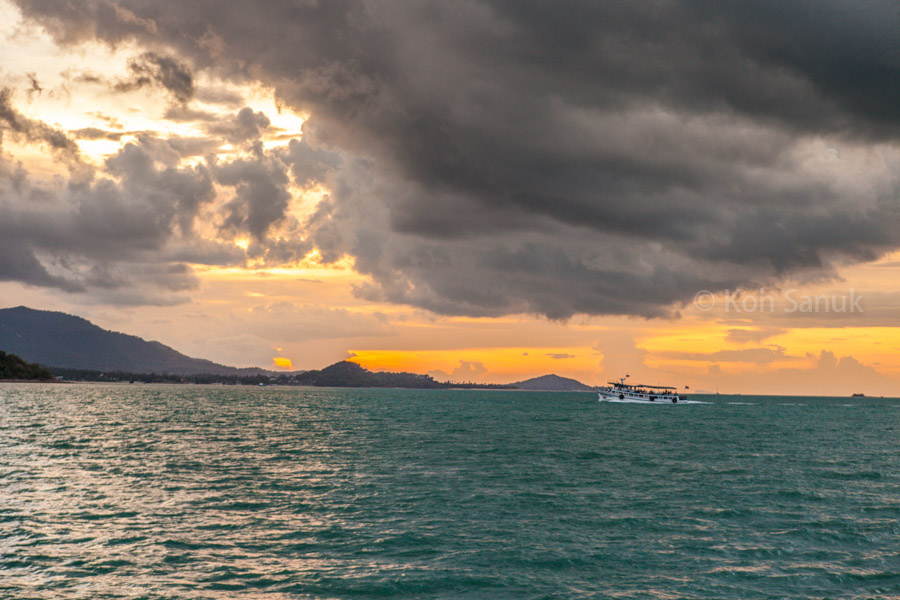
[(635, 392)]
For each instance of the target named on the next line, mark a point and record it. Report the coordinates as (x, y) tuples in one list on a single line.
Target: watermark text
[(789, 301)]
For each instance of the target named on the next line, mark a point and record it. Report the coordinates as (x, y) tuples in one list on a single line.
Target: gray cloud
[(261, 197), (217, 95), (114, 240), (310, 165), (494, 157), (124, 233), (193, 146), (151, 69), (20, 264), (184, 113), (36, 131), (94, 133), (247, 125)]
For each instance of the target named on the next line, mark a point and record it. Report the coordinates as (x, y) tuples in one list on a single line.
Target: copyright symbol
[(704, 300)]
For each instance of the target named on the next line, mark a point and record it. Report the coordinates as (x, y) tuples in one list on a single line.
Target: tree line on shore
[(341, 374), (13, 367)]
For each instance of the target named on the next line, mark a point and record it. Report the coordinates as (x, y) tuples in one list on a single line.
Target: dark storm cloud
[(565, 157)]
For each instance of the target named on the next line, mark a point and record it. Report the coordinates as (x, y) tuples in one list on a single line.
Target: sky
[(701, 193)]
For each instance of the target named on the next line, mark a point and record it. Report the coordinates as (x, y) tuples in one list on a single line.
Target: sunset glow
[(228, 204)]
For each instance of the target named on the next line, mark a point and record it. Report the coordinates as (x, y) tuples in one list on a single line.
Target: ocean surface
[(138, 491)]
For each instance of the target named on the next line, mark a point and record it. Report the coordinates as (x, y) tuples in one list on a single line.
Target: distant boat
[(636, 392), (858, 395)]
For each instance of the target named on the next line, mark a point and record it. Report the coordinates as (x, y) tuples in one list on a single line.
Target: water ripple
[(190, 492)]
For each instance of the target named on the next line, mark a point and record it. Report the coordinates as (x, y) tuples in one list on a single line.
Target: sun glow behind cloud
[(90, 96), (282, 362), (71, 92)]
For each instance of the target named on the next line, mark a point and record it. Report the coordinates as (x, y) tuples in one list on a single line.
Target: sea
[(155, 491)]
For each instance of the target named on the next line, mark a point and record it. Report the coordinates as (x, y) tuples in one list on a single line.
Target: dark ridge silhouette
[(552, 383), (55, 339)]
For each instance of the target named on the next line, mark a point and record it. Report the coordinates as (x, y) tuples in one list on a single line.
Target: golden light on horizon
[(494, 365), (341, 270)]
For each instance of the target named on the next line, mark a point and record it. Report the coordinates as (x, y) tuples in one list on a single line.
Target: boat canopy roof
[(640, 385)]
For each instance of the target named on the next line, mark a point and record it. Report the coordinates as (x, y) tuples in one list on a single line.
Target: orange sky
[(309, 314)]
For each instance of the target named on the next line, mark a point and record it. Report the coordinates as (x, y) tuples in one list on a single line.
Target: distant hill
[(13, 367), (552, 383), (55, 339)]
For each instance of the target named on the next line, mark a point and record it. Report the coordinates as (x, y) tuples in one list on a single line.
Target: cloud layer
[(486, 158)]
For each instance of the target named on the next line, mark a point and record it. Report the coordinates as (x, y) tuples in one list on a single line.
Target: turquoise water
[(211, 492)]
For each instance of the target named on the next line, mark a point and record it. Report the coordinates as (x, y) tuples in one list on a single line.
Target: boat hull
[(618, 396)]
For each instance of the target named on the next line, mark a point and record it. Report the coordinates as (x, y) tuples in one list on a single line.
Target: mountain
[(13, 367), (552, 383), (55, 339)]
